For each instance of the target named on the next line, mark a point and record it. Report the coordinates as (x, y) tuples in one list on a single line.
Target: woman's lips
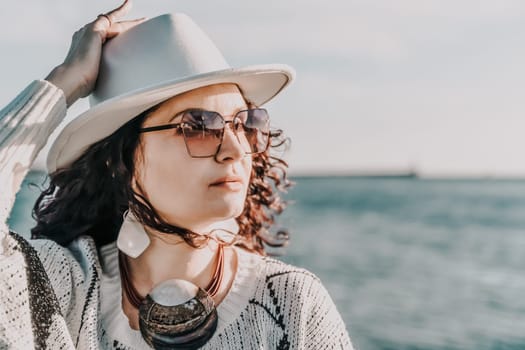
[(231, 183)]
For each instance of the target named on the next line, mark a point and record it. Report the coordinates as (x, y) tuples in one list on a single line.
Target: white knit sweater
[(53, 297)]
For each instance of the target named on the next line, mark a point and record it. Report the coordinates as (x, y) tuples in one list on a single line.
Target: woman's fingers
[(108, 24), (106, 20), (106, 17), (114, 15), (119, 27)]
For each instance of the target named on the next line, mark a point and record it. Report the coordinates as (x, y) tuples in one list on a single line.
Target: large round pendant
[(177, 314)]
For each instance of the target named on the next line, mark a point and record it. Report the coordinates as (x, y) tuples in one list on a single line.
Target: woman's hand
[(77, 75)]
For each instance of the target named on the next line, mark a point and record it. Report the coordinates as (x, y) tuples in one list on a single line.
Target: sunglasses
[(203, 130)]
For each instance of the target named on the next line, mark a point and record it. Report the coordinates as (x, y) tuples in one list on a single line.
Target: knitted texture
[(29, 285), (53, 297)]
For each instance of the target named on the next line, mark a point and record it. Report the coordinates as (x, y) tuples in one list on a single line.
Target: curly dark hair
[(91, 195)]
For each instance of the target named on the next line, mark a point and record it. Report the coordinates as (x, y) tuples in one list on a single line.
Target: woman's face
[(194, 193)]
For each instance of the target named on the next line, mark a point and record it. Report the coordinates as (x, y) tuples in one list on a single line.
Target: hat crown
[(148, 64), (181, 49)]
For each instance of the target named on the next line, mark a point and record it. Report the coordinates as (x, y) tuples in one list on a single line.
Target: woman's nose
[(231, 148)]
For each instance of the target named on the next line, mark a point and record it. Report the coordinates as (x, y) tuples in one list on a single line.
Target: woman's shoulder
[(277, 279), (47, 252), (297, 300), (81, 252), (276, 269), (72, 270)]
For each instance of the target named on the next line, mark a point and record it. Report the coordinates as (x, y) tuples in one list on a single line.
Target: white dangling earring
[(132, 238)]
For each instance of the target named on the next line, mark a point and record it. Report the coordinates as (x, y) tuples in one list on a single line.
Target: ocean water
[(410, 263)]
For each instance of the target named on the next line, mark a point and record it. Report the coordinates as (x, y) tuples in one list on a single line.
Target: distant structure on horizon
[(401, 174)]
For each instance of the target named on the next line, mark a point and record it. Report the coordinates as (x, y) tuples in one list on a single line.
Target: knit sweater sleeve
[(25, 125)]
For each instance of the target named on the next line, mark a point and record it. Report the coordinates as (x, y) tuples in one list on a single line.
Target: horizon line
[(387, 174)]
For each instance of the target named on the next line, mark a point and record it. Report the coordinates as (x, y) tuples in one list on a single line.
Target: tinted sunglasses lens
[(202, 132), (255, 130)]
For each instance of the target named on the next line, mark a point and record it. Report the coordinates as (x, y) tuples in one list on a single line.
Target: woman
[(135, 248)]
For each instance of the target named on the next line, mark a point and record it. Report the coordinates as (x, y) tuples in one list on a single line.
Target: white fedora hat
[(153, 61)]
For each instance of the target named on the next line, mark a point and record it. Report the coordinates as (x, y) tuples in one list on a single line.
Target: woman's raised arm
[(25, 125), (27, 122)]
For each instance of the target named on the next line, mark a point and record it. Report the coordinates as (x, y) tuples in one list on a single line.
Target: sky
[(431, 86)]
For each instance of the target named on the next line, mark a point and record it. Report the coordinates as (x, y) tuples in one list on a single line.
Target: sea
[(410, 263)]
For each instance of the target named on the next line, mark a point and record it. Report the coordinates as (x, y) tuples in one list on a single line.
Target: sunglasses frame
[(226, 122)]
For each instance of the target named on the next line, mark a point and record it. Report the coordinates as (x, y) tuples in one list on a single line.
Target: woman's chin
[(206, 213), (228, 211), (228, 206), (219, 219)]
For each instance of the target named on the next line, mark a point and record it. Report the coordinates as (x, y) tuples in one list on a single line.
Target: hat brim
[(258, 84)]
